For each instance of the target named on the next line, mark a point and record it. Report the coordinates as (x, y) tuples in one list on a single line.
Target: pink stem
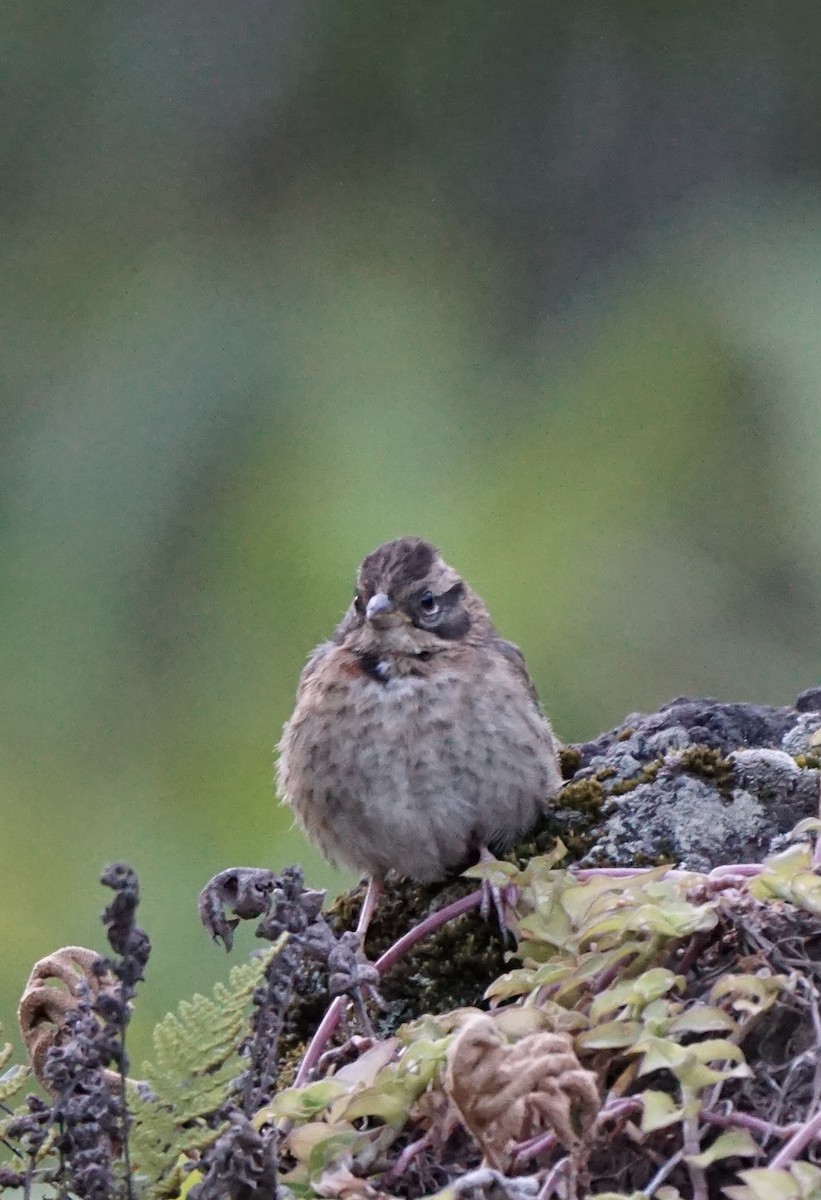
[(326, 1029), (791, 1149), (404, 1160), (738, 1120), (333, 1016), (430, 924)]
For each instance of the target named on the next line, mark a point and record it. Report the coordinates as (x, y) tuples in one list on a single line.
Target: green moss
[(646, 775), (811, 761), (583, 795), (707, 763), (574, 817), (625, 734), (664, 856), (569, 760)]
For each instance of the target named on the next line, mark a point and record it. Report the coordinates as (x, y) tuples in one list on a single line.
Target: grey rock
[(733, 800), (798, 739)]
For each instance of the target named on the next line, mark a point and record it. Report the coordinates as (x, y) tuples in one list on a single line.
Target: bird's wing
[(514, 655)]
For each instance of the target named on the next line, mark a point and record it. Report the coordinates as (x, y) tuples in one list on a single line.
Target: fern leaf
[(196, 1066), (12, 1082)]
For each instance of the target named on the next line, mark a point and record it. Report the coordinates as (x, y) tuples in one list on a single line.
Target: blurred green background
[(540, 282)]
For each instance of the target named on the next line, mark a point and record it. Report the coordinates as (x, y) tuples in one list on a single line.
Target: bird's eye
[(359, 603), (427, 603)]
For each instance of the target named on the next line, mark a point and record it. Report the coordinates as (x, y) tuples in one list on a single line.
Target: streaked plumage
[(417, 736)]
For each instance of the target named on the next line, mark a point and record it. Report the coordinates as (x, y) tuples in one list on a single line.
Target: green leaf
[(702, 1018), (620, 995), (674, 920), (749, 993), (390, 1105), (658, 1054), (657, 982), (736, 1143), (635, 995), (599, 1195), (806, 890), (783, 872), (763, 1183), (808, 1177), (513, 983), (716, 1048), (308, 1102), (550, 925), (612, 1035), (192, 1178), (12, 1082), (365, 1069), (497, 872), (326, 1150), (545, 863), (809, 824), (660, 1110), (696, 1076)]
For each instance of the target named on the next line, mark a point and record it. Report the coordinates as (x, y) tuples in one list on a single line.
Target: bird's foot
[(498, 895), (351, 974)]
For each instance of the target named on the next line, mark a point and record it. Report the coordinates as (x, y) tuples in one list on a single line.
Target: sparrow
[(417, 741)]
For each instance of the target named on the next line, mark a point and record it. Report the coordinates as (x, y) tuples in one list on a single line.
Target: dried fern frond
[(507, 1093)]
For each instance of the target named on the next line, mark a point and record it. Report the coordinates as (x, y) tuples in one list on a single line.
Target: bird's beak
[(382, 613)]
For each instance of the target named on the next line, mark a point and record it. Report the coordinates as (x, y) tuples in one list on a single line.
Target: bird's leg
[(330, 1022), (368, 905), (495, 897), (350, 973)]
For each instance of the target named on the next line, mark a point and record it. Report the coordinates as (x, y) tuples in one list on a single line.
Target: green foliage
[(381, 1088), (612, 960), (575, 933), (11, 1084), (801, 1182), (594, 952), (790, 876), (195, 1069)]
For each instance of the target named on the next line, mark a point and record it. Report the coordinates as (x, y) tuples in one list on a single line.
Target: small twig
[(29, 1178), (812, 1004), (691, 1147), (537, 1145), (521, 1187), (736, 870), (615, 1109), (553, 1178), (533, 1147), (738, 1120), (352, 1049), (806, 1134), (404, 1160), (732, 872), (698, 942), (661, 1174)]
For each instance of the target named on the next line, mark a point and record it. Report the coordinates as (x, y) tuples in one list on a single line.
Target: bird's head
[(409, 601)]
